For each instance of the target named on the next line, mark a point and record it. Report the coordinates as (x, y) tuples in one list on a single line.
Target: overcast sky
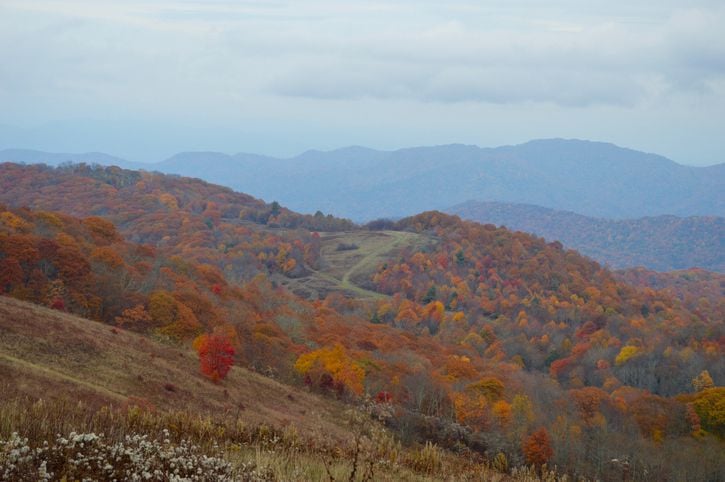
[(144, 80)]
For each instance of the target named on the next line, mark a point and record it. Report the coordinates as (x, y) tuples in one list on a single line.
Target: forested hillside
[(698, 290), (578, 322), (662, 243), (473, 337)]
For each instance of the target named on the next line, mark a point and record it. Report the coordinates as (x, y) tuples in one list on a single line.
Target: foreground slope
[(64, 377), (48, 354), (662, 243)]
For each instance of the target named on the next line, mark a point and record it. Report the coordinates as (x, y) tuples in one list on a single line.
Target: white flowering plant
[(90, 456)]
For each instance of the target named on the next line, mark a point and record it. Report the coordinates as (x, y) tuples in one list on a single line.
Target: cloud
[(460, 83), (225, 52), (570, 64)]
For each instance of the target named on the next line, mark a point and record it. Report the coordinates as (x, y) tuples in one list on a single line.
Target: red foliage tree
[(58, 304), (537, 448), (384, 397), (216, 355)]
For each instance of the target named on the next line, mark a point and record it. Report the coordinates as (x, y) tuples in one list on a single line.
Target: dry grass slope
[(51, 355)]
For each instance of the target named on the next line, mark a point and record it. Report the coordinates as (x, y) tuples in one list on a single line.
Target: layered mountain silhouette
[(589, 178)]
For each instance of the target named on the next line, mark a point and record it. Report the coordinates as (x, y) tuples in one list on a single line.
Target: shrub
[(428, 459), (87, 456)]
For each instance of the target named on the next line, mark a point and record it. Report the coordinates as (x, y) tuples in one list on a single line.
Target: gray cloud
[(610, 62), (461, 83), (366, 50), (328, 50)]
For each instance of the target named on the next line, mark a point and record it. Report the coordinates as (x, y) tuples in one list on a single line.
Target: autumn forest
[(492, 346)]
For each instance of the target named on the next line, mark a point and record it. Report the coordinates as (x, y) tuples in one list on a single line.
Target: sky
[(144, 80)]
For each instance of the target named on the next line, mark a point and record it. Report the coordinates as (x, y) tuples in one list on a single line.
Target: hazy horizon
[(313, 149), (143, 81)]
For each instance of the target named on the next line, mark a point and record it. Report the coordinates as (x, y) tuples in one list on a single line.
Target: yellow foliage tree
[(169, 201), (335, 362), (502, 411), (710, 407), (702, 381), (162, 308), (625, 354), (14, 222), (489, 387)]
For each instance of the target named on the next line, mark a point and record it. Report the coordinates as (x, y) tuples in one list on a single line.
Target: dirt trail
[(361, 254), (371, 259)]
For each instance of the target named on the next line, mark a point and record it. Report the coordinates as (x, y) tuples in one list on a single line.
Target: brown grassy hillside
[(48, 354)]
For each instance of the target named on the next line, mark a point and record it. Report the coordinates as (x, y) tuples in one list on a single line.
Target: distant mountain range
[(29, 156), (590, 178), (662, 243)]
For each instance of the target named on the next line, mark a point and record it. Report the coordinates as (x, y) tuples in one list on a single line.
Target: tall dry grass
[(225, 447)]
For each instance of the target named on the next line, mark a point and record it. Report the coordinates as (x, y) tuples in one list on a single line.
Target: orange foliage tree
[(537, 448)]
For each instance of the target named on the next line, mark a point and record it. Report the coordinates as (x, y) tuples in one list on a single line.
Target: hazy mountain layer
[(590, 178), (663, 243), (30, 156)]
